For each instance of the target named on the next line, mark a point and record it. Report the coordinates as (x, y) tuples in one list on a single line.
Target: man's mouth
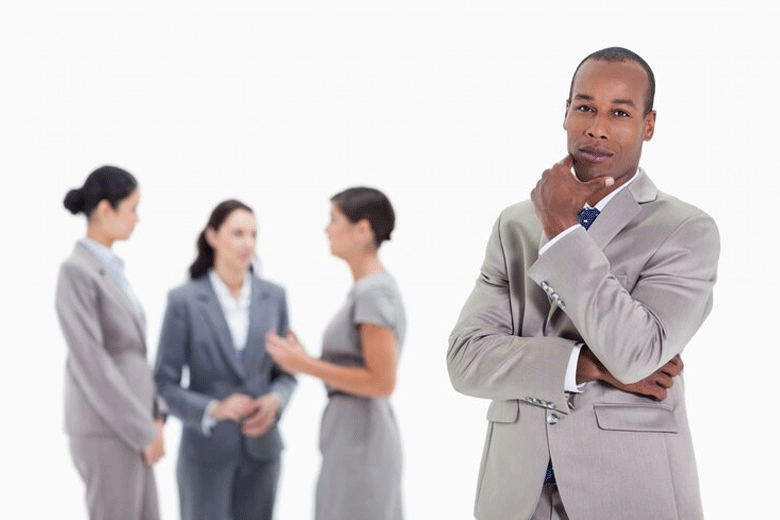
[(594, 154)]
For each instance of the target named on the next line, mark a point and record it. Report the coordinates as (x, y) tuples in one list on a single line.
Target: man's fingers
[(673, 367), (664, 380), (567, 161)]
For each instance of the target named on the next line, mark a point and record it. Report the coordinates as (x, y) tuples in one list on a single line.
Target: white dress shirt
[(570, 384), (236, 311)]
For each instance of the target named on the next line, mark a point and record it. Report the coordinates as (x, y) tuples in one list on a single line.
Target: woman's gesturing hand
[(287, 352)]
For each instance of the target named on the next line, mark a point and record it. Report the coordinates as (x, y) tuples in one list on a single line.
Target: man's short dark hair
[(620, 54)]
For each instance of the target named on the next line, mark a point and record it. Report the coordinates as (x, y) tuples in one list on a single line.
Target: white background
[(453, 108)]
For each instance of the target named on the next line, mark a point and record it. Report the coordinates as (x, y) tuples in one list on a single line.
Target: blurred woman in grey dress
[(360, 478)]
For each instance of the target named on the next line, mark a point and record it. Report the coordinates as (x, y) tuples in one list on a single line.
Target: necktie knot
[(587, 216)]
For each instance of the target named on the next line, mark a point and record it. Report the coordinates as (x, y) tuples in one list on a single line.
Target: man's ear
[(566, 113), (649, 125)]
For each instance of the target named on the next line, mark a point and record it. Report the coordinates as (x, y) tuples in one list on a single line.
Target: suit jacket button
[(552, 418)]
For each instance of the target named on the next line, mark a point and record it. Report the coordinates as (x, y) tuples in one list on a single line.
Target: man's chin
[(588, 172)]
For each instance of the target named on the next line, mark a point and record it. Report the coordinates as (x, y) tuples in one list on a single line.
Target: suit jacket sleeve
[(93, 369), (282, 383), (635, 333), (172, 355), (487, 357)]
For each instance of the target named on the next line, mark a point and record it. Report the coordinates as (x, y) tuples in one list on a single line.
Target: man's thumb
[(600, 183)]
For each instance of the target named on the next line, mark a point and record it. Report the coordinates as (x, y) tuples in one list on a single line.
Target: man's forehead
[(627, 76)]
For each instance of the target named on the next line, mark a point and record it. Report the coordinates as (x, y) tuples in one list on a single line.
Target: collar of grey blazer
[(257, 316), (83, 255), (620, 210)]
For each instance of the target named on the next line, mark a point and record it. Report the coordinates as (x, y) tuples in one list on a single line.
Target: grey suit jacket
[(634, 288), (195, 334), (108, 385)]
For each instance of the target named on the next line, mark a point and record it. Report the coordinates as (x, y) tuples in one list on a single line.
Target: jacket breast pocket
[(635, 418), (503, 411)]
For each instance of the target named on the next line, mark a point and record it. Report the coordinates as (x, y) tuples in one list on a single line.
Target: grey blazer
[(108, 385), (634, 288), (195, 334)]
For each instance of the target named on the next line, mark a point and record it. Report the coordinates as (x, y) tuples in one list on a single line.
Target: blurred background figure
[(360, 476), (215, 326), (112, 414)]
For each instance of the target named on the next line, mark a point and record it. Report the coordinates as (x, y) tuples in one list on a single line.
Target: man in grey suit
[(587, 295)]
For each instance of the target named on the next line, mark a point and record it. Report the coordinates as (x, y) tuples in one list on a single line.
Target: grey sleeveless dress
[(360, 478)]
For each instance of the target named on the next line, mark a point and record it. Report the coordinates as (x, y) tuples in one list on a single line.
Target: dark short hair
[(107, 182), (620, 54), (205, 259), (371, 204)]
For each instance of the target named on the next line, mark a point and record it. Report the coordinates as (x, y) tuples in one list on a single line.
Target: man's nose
[(598, 128)]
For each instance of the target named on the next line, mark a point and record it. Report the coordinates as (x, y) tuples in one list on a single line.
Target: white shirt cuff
[(208, 422), (570, 385), (557, 237)]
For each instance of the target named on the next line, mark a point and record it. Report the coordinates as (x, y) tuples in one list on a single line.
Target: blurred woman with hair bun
[(113, 416)]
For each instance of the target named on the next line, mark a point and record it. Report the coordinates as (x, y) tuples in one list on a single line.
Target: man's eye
[(621, 113), (583, 108)]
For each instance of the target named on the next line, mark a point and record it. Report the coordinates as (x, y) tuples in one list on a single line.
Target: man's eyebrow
[(626, 102)]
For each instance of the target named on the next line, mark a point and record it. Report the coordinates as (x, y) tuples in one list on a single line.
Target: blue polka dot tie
[(587, 216), (549, 477)]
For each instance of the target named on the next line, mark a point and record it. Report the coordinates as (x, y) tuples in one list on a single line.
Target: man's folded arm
[(485, 359), (634, 334)]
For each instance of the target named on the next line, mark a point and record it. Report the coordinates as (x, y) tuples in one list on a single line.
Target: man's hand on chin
[(559, 196)]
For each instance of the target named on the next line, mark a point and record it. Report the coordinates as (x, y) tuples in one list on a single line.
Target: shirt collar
[(600, 205), (106, 256), (225, 296)]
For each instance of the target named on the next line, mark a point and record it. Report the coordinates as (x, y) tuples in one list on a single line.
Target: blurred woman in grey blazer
[(360, 478), (215, 327), (112, 415)]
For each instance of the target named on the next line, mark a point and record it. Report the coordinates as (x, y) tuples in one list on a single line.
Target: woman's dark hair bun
[(107, 182), (74, 201)]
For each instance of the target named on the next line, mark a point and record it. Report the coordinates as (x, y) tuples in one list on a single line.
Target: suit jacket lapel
[(622, 209), (114, 289), (258, 323), (213, 311)]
